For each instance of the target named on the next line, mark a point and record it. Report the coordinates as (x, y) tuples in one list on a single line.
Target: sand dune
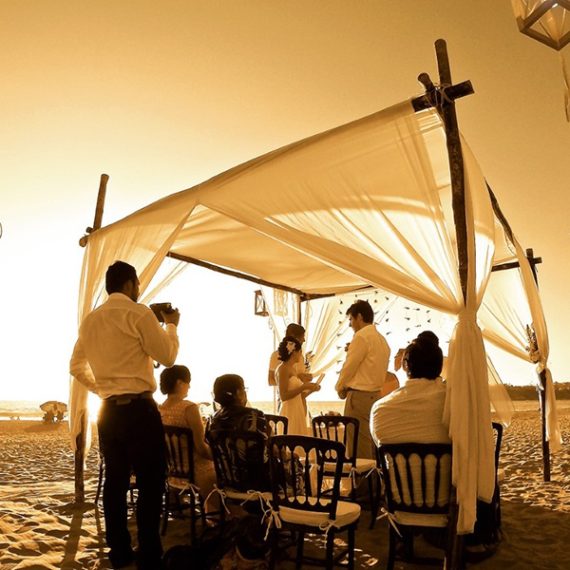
[(41, 528)]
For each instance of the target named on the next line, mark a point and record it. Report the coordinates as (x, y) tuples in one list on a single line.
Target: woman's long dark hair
[(284, 348)]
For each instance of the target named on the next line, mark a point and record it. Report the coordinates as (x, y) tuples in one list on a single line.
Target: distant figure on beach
[(292, 389), (113, 357), (364, 372), (414, 412), (179, 412)]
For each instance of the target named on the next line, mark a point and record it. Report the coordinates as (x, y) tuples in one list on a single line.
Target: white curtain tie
[(194, 489), (217, 491), (391, 520), (269, 513), (326, 526)]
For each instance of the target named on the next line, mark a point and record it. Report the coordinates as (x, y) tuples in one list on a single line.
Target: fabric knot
[(217, 491), (391, 520)]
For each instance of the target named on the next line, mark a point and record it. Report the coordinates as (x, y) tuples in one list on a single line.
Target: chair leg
[(165, 515), (329, 564), (300, 545), (99, 483), (192, 518), (373, 500), (351, 532), (274, 538), (392, 548)]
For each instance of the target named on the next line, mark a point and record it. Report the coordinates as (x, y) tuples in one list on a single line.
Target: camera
[(159, 308)]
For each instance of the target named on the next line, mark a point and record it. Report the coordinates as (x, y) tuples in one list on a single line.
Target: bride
[(292, 390)]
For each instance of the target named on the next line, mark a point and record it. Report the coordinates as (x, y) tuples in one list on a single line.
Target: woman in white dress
[(292, 390)]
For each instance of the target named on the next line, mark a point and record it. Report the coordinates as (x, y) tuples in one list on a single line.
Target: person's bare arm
[(194, 422)]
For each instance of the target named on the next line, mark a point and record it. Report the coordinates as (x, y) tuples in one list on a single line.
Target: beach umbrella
[(54, 407)]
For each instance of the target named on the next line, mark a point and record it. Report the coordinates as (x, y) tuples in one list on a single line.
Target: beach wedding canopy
[(373, 203)]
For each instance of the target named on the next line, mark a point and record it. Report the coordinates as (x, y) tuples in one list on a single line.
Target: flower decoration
[(532, 348)]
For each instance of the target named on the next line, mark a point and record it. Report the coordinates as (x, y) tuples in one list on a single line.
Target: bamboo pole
[(541, 388), (81, 439), (100, 206)]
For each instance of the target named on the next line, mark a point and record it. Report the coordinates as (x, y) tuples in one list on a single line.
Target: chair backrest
[(279, 424), (417, 476), (297, 473), (240, 460), (180, 452), (343, 429)]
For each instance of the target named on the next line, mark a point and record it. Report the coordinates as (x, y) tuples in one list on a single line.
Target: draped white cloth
[(367, 203), (511, 304)]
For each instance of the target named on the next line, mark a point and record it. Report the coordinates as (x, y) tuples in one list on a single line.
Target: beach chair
[(279, 424), (344, 429), (180, 482), (418, 494), (307, 501)]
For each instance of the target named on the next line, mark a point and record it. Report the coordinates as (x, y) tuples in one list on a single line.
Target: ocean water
[(30, 409)]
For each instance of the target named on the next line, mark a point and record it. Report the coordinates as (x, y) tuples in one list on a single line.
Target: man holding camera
[(113, 357)]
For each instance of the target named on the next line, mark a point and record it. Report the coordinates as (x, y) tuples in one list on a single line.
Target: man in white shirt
[(414, 412), (113, 357), (364, 372)]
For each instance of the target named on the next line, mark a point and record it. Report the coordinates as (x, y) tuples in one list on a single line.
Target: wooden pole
[(541, 388), (80, 445), (81, 439), (447, 109), (98, 220)]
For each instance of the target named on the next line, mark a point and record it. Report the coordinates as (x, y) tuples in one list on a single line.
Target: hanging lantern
[(260, 308), (547, 21)]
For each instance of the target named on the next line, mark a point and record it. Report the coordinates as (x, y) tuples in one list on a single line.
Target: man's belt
[(123, 399), (363, 391)]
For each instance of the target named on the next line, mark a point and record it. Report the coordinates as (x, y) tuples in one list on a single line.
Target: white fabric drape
[(327, 327), (367, 203), (511, 304), (145, 247)]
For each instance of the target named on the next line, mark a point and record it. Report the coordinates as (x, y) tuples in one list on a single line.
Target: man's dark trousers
[(131, 438)]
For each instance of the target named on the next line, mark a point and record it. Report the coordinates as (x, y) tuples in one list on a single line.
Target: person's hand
[(172, 317), (342, 393), (305, 376), (310, 387)]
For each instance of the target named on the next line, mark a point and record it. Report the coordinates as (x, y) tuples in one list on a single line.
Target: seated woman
[(179, 412), (292, 390), (235, 416)]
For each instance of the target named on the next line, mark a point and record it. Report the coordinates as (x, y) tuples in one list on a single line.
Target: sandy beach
[(41, 528)]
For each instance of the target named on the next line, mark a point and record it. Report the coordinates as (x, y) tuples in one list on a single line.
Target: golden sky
[(162, 95)]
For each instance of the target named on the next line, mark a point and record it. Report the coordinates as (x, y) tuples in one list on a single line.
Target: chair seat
[(346, 514), (420, 519), (362, 466), (247, 495), (178, 483)]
